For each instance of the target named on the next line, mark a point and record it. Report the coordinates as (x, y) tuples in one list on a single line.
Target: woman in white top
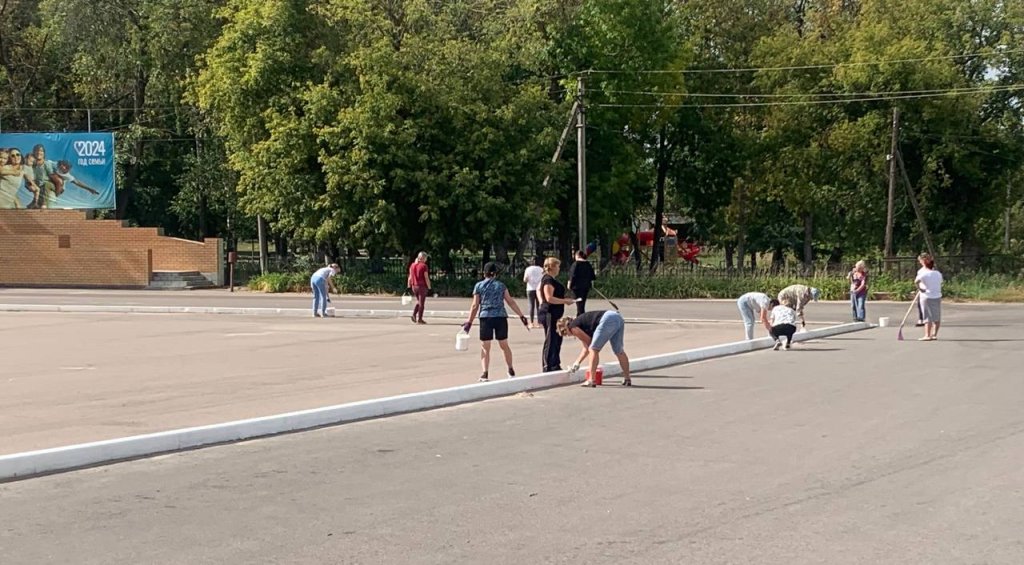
[(783, 322), (929, 284), (532, 276), (754, 306)]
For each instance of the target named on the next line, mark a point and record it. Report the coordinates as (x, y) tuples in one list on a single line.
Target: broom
[(899, 334), (614, 305)]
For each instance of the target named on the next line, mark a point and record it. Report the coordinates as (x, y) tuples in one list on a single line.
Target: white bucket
[(883, 322), (462, 341), (406, 300), (330, 311)]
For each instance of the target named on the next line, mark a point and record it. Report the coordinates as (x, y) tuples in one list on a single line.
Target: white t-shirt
[(323, 273), (932, 282), (532, 275), (757, 301), (783, 314)]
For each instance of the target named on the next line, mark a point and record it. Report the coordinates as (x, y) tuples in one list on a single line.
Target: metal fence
[(469, 267)]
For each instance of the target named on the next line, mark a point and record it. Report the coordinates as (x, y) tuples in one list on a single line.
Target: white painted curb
[(21, 465)]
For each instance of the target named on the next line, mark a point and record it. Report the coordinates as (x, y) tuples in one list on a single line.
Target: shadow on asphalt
[(655, 387), (980, 340)]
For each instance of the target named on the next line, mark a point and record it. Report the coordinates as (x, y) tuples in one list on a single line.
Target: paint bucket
[(406, 300), (883, 322), (330, 311), (598, 377), (462, 341)]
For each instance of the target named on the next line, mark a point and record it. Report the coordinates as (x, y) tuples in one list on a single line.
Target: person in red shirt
[(419, 285)]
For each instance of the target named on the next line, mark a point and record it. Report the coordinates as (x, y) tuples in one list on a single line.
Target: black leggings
[(581, 293), (551, 355), (532, 296), (783, 330)]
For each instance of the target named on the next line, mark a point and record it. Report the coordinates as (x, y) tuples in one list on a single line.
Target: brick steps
[(178, 280)]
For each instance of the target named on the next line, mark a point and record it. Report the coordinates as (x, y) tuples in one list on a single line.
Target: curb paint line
[(45, 461)]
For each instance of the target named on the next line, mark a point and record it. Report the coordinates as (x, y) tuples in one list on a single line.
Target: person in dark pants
[(551, 296), (419, 284), (581, 278), (783, 322)]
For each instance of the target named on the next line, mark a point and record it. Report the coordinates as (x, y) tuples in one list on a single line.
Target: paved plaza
[(854, 449)]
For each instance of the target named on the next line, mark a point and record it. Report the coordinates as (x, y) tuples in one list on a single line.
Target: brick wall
[(63, 248)]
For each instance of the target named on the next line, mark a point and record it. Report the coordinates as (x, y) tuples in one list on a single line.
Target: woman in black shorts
[(489, 298)]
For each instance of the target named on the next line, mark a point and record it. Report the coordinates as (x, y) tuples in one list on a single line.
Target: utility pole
[(892, 181), (917, 207), (581, 160), (562, 139)]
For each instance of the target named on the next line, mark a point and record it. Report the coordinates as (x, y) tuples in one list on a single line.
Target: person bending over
[(594, 330)]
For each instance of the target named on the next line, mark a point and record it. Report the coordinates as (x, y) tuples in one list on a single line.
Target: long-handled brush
[(899, 334), (614, 305)]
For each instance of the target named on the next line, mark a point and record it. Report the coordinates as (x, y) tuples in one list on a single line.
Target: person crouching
[(783, 321)]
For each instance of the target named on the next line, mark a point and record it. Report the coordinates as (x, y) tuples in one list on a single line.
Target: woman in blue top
[(489, 298)]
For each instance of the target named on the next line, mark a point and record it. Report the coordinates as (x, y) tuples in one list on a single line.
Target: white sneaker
[(777, 345)]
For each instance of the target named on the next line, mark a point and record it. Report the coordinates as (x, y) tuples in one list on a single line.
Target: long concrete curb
[(22, 465)]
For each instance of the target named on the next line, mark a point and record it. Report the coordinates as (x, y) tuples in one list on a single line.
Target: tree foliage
[(401, 125)]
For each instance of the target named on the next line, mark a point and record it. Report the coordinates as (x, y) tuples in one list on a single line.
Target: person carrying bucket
[(595, 329), (489, 298), (419, 284), (320, 281)]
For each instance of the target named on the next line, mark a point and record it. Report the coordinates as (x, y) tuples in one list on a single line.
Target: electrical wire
[(801, 95), (815, 102), (807, 67)]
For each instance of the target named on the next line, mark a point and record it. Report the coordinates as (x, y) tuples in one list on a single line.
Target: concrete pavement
[(856, 449), (73, 378)]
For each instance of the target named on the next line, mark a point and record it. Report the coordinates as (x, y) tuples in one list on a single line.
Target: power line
[(806, 67), (815, 102), (803, 95)]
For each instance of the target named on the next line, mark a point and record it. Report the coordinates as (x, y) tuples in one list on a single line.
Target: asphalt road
[(857, 449)]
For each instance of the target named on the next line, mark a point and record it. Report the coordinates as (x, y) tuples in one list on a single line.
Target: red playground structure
[(687, 250)]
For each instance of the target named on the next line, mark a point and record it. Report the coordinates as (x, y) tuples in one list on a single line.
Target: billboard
[(57, 170)]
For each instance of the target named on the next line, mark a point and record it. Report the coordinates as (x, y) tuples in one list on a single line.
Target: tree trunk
[(730, 251), (261, 231), (808, 248), (132, 168), (753, 261), (634, 242), (658, 253), (778, 259), (501, 253)]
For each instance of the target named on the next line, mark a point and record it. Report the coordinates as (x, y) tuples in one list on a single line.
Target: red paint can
[(598, 378)]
